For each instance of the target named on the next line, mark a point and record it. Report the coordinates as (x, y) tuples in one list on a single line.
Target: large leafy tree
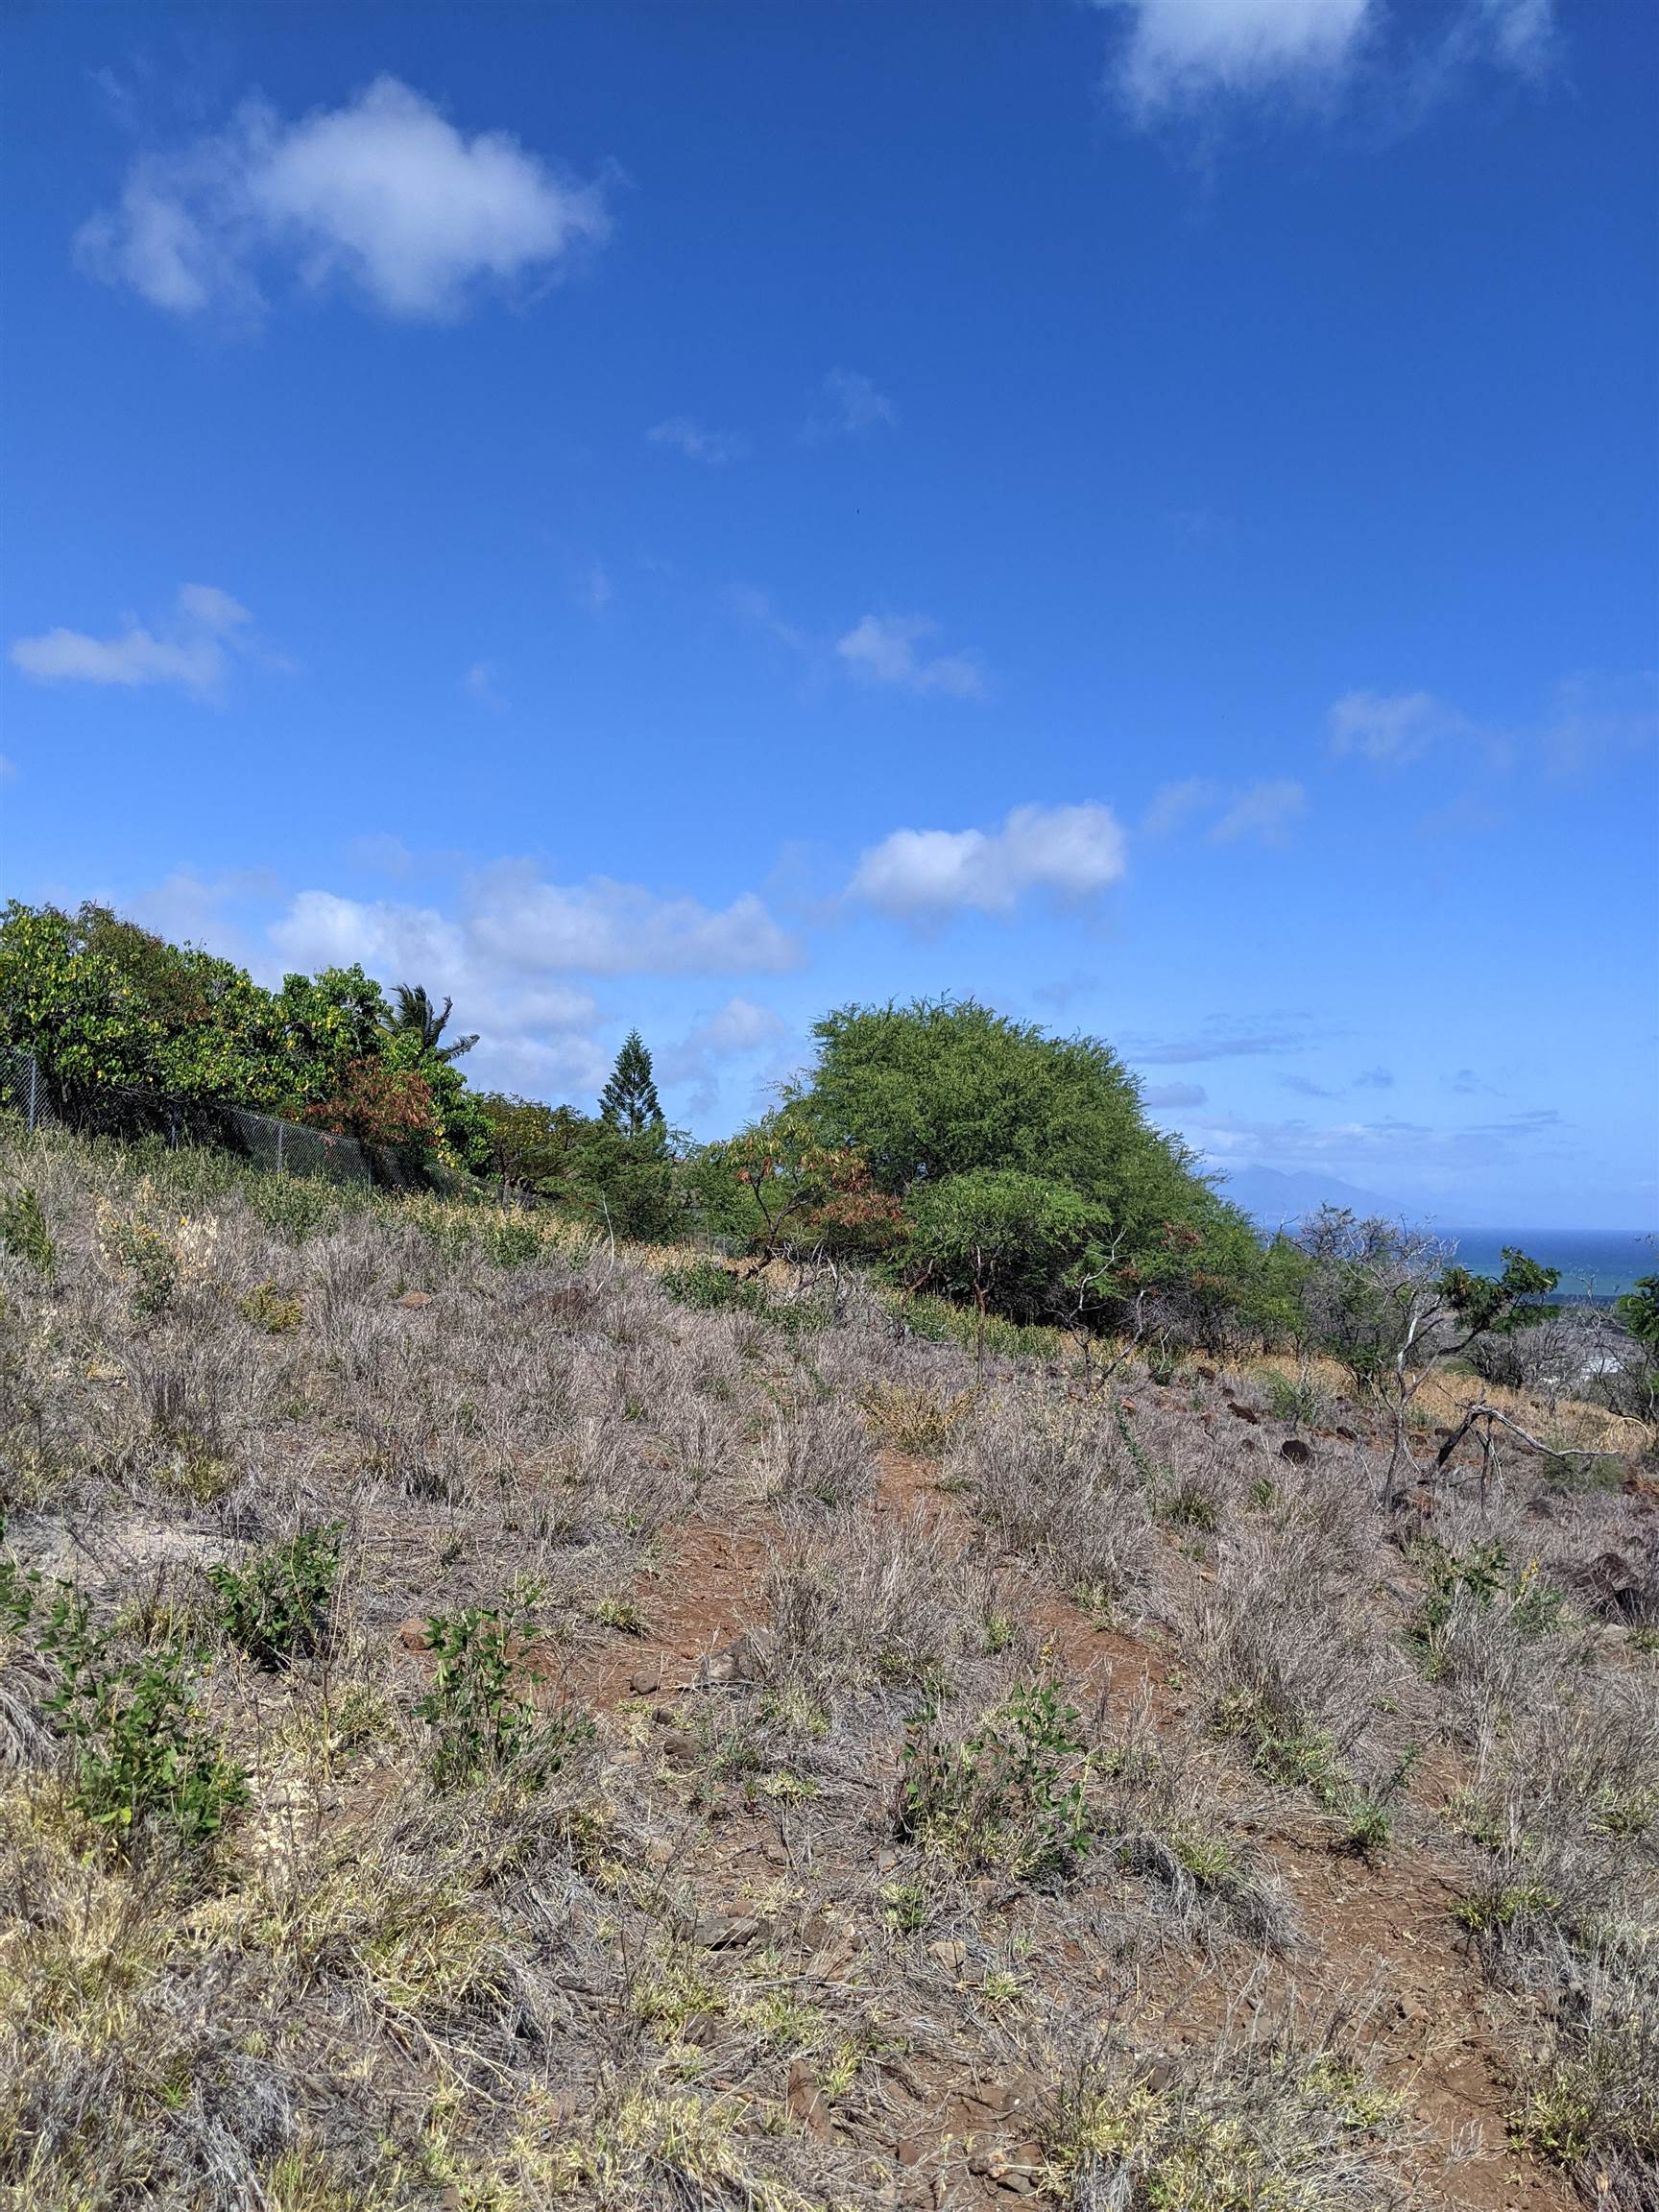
[(105, 1006), (942, 1090)]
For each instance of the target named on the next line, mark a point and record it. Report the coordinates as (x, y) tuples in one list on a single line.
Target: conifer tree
[(629, 1101)]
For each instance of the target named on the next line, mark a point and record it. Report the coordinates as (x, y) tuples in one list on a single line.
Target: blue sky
[(1144, 512)]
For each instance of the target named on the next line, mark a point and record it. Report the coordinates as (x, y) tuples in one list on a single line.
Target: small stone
[(806, 2108), (910, 2151), (415, 1635), (950, 1954), (1299, 1454), (659, 1853), (722, 1931), (646, 1678), (413, 1299)]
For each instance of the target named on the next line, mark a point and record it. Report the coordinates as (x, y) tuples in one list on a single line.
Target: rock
[(724, 1931), (659, 1853), (415, 1635), (646, 1678), (910, 2151), (806, 2108), (1614, 1586), (1299, 1454), (1244, 1412), (413, 1299), (950, 1954), (734, 1662)]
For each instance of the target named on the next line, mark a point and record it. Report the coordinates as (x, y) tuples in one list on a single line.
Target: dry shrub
[(1295, 1667), (1285, 2119), (819, 1459), (1055, 1483)]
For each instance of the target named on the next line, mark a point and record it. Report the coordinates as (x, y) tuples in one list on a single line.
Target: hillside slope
[(530, 1731)]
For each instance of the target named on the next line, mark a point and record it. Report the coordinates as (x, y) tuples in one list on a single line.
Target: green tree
[(1639, 1310), (941, 1088), (533, 1149), (413, 1015), (1000, 1237), (629, 1100)]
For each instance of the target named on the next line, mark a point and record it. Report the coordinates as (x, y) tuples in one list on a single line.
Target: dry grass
[(484, 1926)]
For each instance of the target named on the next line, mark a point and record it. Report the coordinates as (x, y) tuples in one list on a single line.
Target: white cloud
[(383, 197), (1180, 51), (517, 952), (1262, 810), (602, 927), (1184, 54), (1074, 851), (733, 1032), (1521, 30), (681, 435), (847, 405), (8, 769), (1389, 728), (884, 649), (1174, 804), (193, 651)]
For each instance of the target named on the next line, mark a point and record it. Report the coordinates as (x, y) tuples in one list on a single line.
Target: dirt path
[(1383, 1932)]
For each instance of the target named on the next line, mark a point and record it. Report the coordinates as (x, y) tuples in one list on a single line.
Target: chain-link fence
[(284, 1147)]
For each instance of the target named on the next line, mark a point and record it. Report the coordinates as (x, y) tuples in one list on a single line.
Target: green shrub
[(143, 1760), (482, 1722), (150, 1261), (23, 1231), (1010, 1793), (1299, 1404), (275, 1608), (266, 1306), (708, 1287)]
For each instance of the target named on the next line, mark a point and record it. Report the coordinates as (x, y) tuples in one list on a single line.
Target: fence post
[(279, 1129), (33, 1089)]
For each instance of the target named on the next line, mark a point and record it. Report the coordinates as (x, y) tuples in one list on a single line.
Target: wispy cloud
[(1264, 811), (847, 404), (383, 198), (924, 875), (888, 649), (1261, 810), (679, 434), (193, 651), (479, 684), (1389, 728), (1588, 721), (1222, 1039), (1178, 56), (595, 590), (734, 1032), (1160, 1097)]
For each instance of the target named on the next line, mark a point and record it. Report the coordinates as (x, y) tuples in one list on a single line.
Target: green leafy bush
[(268, 1309), (143, 1760), (481, 1716), (275, 1608), (1011, 1793)]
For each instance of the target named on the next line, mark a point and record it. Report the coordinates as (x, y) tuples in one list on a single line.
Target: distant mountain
[(1270, 1195)]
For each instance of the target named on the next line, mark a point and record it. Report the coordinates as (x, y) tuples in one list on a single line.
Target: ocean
[(1596, 1264)]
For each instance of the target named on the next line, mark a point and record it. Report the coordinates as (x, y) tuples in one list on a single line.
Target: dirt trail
[(1384, 1931)]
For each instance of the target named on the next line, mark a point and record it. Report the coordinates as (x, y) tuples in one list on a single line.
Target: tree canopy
[(1023, 1161)]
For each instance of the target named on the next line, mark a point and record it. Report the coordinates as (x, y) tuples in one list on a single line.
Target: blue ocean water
[(1594, 1263)]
